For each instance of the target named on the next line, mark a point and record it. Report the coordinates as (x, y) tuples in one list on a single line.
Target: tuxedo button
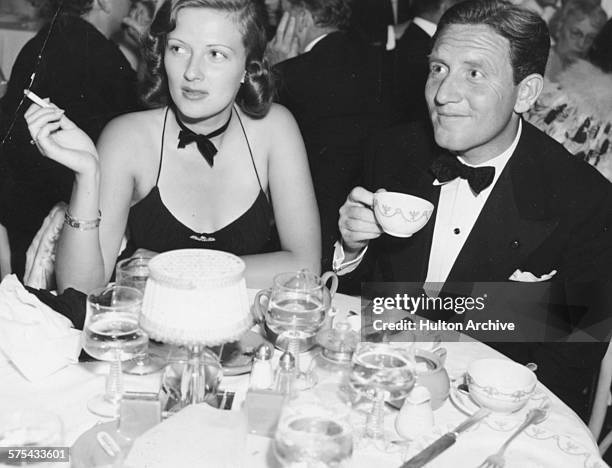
[(457, 231), (515, 244)]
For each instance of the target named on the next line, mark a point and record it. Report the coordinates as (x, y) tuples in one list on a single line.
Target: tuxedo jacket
[(548, 211), (411, 68), (335, 97)]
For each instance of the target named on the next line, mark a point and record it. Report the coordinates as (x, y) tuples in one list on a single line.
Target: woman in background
[(577, 110), (211, 166), (84, 72), (573, 29)]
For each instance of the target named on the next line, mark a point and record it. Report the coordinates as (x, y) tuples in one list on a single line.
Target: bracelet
[(82, 224)]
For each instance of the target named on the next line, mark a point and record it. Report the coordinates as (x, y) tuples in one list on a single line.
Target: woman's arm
[(104, 184), (293, 199)]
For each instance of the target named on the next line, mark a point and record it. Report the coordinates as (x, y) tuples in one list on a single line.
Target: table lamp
[(195, 298)]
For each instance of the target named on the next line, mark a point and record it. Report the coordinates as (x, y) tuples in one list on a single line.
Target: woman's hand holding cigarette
[(58, 138)]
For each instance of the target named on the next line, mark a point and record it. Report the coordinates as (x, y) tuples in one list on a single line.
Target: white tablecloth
[(12, 38), (562, 438)]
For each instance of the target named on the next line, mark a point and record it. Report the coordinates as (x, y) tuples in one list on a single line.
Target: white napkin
[(36, 339), (198, 435)]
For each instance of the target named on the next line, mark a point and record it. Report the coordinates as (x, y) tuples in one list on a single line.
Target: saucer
[(465, 403)]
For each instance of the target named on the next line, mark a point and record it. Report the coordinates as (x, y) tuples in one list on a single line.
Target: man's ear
[(528, 91)]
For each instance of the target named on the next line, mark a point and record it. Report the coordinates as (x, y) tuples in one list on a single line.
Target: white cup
[(400, 214)]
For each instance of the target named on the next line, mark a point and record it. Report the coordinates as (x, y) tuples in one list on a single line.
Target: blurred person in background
[(577, 109), (83, 72), (573, 29)]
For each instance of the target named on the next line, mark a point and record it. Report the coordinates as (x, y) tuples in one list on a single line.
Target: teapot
[(297, 301)]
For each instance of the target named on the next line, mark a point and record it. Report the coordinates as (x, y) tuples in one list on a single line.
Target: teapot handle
[(259, 311), (334, 281)]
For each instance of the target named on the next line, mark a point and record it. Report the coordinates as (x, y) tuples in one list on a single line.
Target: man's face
[(576, 36), (119, 10), (470, 92)]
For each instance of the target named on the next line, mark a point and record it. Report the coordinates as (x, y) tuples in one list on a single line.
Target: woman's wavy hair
[(255, 94)]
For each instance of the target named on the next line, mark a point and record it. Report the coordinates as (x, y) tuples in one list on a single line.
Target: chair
[(5, 253), (40, 256), (603, 399)]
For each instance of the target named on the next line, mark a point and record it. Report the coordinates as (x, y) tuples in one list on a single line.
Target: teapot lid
[(338, 343)]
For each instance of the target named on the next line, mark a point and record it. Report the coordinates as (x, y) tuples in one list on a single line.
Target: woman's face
[(205, 62), (575, 37)]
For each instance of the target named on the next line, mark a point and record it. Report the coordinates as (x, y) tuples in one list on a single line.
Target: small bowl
[(500, 385), (399, 214)]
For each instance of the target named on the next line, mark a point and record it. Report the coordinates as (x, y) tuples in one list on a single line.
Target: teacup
[(500, 385), (400, 214)]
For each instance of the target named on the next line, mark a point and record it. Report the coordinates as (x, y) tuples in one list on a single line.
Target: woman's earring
[(242, 79)]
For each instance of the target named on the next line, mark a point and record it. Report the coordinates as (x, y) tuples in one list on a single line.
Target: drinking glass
[(134, 272), (313, 432), (295, 313), (29, 428), (381, 371), (111, 333)]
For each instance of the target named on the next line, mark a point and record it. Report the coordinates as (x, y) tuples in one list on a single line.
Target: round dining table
[(562, 440)]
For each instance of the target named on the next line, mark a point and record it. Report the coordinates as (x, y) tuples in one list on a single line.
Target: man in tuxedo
[(411, 63), (333, 94), (509, 201)]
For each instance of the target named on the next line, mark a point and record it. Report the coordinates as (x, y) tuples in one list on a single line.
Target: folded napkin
[(198, 435), (36, 339)]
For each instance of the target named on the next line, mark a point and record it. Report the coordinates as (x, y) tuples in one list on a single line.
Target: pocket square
[(528, 277)]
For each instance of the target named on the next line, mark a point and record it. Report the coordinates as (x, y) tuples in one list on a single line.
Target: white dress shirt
[(314, 42), (426, 25), (458, 210)]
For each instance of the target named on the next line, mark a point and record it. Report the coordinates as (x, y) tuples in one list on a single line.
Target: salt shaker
[(285, 373), (416, 415), (261, 373)]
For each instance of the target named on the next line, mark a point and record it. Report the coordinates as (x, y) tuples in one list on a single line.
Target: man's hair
[(526, 32), (327, 13), (601, 50), (47, 8), (256, 93), (577, 9)]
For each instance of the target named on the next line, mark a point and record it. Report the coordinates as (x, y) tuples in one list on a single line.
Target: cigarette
[(35, 99)]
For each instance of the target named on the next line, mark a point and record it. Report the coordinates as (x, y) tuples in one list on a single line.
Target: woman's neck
[(207, 125)]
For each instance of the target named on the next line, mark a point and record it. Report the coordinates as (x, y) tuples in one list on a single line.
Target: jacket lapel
[(514, 222)]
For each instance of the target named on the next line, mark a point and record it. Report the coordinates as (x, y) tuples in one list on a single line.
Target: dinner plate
[(237, 357), (465, 403), (87, 452)]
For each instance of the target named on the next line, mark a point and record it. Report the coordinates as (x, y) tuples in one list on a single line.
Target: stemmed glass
[(111, 333), (134, 272), (381, 371), (313, 431), (295, 313)]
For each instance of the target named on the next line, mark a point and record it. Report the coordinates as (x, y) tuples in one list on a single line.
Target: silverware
[(444, 442), (497, 460)]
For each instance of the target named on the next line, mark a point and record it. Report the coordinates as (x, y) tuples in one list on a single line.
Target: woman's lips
[(193, 94)]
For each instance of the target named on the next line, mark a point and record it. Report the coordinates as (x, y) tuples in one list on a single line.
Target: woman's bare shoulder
[(136, 125)]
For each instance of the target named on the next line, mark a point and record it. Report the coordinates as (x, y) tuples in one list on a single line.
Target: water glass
[(313, 431), (111, 333), (29, 428), (381, 371), (134, 272)]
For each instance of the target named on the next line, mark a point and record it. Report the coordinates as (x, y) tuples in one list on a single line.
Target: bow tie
[(205, 146), (448, 167)]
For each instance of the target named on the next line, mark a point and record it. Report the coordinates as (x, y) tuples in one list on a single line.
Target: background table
[(66, 393)]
